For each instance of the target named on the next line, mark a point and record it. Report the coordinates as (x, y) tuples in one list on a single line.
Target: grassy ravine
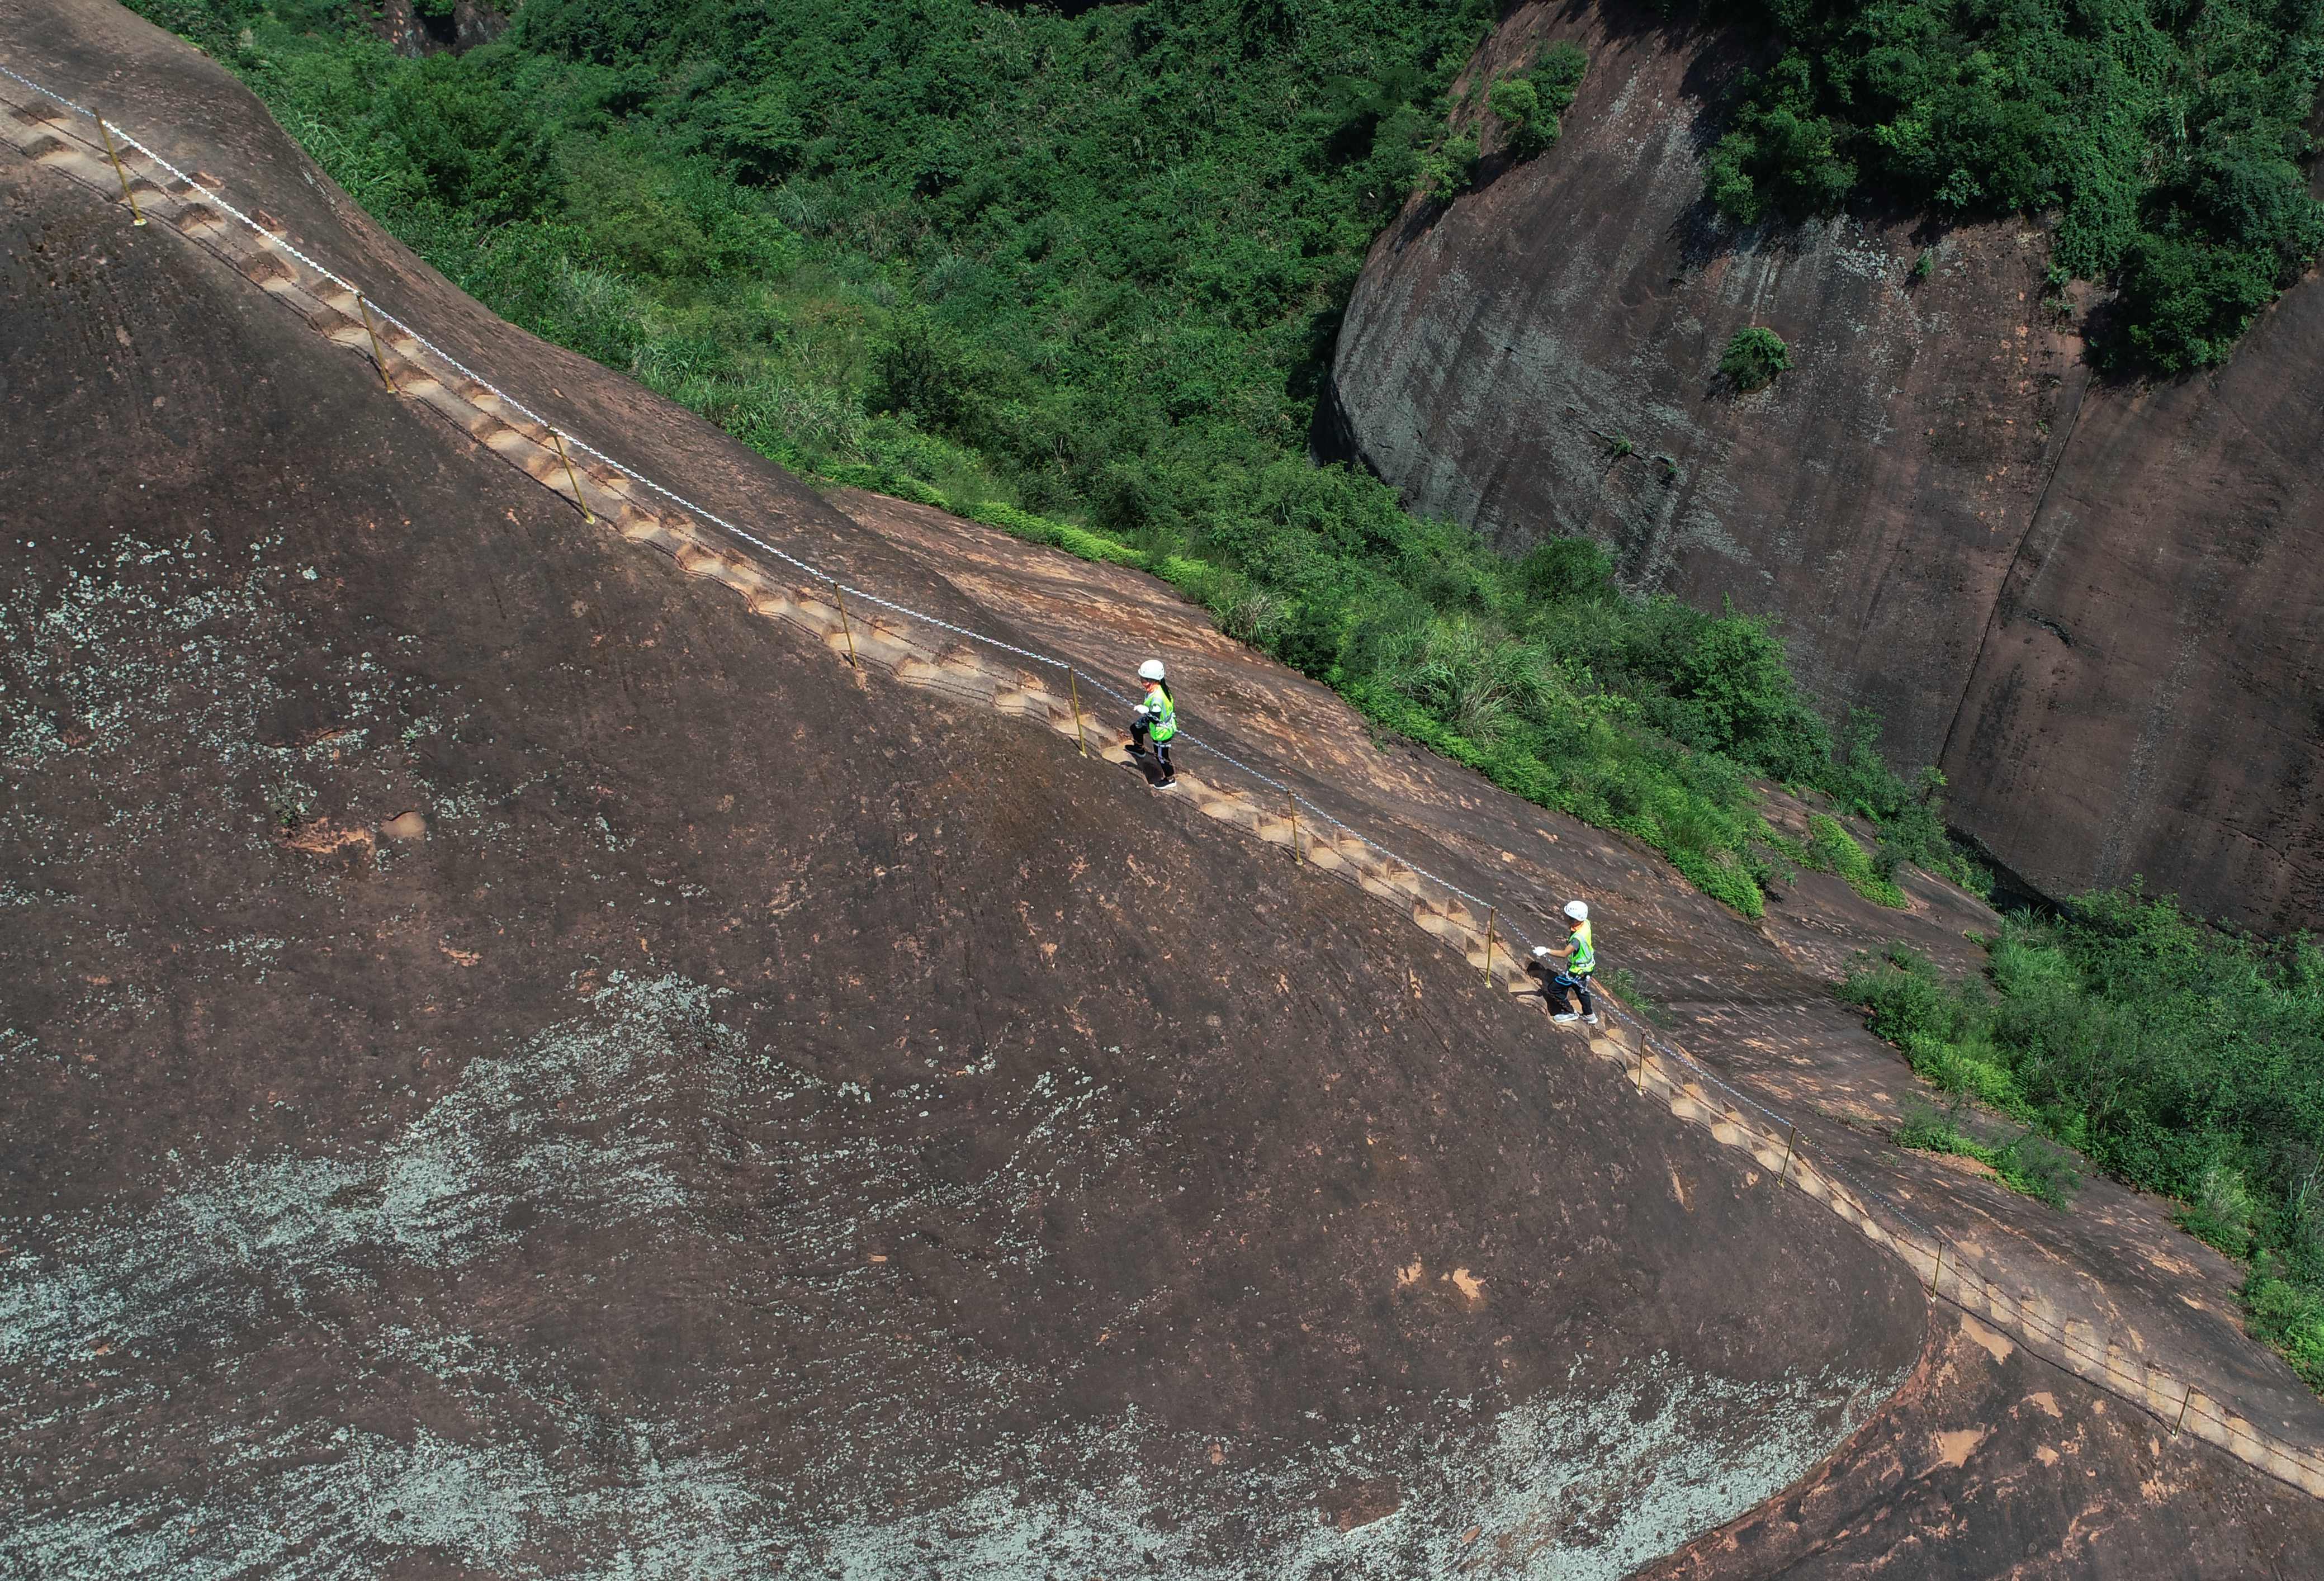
[(2178, 1060), (1078, 277)]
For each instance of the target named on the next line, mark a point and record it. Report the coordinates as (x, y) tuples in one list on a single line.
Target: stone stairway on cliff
[(918, 652)]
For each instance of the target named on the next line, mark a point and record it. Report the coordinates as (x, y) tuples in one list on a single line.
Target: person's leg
[(1559, 1005), (1582, 991), (1162, 751), (1137, 736)]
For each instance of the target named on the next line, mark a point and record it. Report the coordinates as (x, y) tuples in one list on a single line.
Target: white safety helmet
[(1150, 670), (1578, 910)]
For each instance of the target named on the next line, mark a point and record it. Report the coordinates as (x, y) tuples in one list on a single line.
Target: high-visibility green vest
[(1162, 714), (1583, 958)]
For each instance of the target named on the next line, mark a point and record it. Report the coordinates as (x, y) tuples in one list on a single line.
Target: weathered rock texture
[(515, 1065), (2100, 609), (512, 1063)]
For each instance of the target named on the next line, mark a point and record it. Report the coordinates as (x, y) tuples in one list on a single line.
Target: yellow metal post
[(2182, 1410), (845, 630), (1642, 1070), (136, 215), (1489, 944), (1072, 682), (572, 477), (1790, 1141), (1291, 800), (1936, 1272), (378, 357)]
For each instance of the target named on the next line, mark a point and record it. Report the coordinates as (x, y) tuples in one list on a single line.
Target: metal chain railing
[(2302, 1467)]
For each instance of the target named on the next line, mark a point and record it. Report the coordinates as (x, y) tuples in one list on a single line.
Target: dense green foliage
[(2168, 136), (1078, 276), (1529, 103), (1830, 849), (1755, 355), (2178, 1060)]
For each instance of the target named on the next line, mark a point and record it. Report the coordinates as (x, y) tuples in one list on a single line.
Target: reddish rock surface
[(515, 1065), (511, 1065), (2099, 608), (1982, 1466), (470, 23)]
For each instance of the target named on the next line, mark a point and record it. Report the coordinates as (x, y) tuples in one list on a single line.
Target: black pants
[(1161, 748), (1553, 987)]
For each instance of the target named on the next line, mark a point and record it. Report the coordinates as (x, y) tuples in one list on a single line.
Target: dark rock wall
[(2094, 606), (470, 23)]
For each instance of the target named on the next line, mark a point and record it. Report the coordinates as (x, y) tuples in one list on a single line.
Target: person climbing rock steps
[(1156, 720), (1578, 959)]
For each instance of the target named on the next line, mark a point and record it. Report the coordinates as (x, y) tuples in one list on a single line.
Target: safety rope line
[(1808, 1152), (280, 241)]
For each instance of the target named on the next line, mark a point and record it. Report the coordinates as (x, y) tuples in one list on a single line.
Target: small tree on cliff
[(1518, 106), (1528, 106), (1450, 169), (1753, 358)]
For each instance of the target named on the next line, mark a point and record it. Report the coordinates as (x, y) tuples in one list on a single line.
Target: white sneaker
[(1563, 1016), (1591, 1019)]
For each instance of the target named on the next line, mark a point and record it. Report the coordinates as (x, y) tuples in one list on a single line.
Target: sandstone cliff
[(2096, 607), (547, 1068), (517, 1060)]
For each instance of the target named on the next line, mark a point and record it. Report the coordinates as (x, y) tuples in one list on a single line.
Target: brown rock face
[(1983, 1465), (512, 1064), (2096, 608)]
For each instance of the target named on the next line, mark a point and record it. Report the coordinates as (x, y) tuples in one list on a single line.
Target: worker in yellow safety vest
[(1579, 959), (1156, 720)]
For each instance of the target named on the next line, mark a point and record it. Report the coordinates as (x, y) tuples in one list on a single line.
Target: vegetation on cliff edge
[(2177, 1059), (2169, 139), (1078, 276)]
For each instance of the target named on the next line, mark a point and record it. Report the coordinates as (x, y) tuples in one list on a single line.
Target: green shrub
[(1830, 849), (1556, 74), (1528, 106), (1525, 128), (2221, 1210), (2168, 145), (1450, 168), (1780, 156), (2180, 1061), (2289, 1316), (2026, 1163), (1754, 356)]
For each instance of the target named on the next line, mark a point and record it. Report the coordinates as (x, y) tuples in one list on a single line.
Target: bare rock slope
[(516, 1065), (2099, 608), (519, 1060)]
